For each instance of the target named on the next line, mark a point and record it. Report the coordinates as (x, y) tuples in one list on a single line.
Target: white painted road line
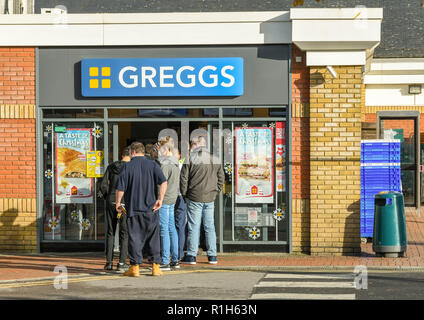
[(306, 276), (305, 286), (302, 296), (301, 284)]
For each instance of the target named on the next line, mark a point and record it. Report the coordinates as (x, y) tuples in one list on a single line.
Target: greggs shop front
[(92, 102)]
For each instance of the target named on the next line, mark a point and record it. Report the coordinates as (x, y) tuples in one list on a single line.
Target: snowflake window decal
[(49, 128), (254, 233), (74, 215), (245, 125), (279, 214), (272, 125), (229, 139), (229, 194), (48, 174), (228, 169), (97, 131), (53, 222), (85, 223)]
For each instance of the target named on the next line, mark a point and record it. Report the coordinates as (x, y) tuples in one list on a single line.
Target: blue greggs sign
[(165, 77)]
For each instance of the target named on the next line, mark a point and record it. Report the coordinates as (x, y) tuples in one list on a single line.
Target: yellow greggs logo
[(103, 77)]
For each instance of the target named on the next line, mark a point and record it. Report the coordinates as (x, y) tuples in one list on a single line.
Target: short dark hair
[(149, 149), (137, 147), (126, 152)]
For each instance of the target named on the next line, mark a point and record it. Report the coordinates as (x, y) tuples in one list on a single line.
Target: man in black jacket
[(108, 190), (202, 178)]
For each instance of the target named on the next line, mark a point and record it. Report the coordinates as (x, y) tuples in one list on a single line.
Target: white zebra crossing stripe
[(305, 286), (300, 284), (302, 296), (306, 276)]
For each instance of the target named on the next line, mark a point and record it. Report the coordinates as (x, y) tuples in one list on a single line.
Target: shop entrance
[(252, 213)]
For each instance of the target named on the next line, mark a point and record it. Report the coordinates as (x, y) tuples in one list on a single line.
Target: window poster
[(72, 183), (95, 166), (280, 156), (254, 165)]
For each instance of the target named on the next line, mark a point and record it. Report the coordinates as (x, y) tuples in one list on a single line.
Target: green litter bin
[(389, 238)]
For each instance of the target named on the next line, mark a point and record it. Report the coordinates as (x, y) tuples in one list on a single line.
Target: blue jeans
[(168, 234), (180, 223), (195, 212)]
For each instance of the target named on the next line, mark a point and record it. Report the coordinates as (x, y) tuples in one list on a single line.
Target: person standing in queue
[(168, 233), (202, 178), (180, 212), (107, 189), (137, 183)]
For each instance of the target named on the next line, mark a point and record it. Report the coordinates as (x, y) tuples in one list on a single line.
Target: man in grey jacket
[(202, 178)]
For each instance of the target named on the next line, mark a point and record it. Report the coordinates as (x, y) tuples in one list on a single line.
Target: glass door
[(404, 129), (149, 132), (72, 164)]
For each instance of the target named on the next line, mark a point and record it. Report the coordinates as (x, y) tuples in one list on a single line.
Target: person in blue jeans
[(168, 233), (180, 212), (202, 178)]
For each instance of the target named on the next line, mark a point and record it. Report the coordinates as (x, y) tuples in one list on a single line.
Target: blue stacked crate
[(380, 171)]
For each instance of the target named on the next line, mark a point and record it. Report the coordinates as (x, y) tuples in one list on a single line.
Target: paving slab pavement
[(26, 267)]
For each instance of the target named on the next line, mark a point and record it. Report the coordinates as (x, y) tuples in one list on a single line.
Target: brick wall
[(18, 230), (300, 153), (335, 135), (17, 76)]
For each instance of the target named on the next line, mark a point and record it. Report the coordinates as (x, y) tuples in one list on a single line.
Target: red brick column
[(17, 150)]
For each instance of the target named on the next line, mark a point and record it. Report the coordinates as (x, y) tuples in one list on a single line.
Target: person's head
[(149, 149), (198, 141), (164, 150), (126, 154), (166, 139), (137, 149)]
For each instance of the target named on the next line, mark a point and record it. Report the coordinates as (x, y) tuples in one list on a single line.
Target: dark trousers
[(112, 222), (143, 231), (180, 215)]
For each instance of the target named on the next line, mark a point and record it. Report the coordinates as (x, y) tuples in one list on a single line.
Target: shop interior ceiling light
[(415, 89)]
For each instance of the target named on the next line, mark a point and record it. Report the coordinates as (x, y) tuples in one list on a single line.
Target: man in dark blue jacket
[(137, 183)]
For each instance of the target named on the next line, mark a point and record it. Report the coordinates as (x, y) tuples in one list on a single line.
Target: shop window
[(255, 181), (72, 170)]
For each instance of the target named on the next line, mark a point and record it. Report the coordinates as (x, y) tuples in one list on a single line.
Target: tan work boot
[(156, 271), (133, 271)]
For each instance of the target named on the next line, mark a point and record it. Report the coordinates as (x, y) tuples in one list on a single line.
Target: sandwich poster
[(254, 165), (72, 183), (280, 155)]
